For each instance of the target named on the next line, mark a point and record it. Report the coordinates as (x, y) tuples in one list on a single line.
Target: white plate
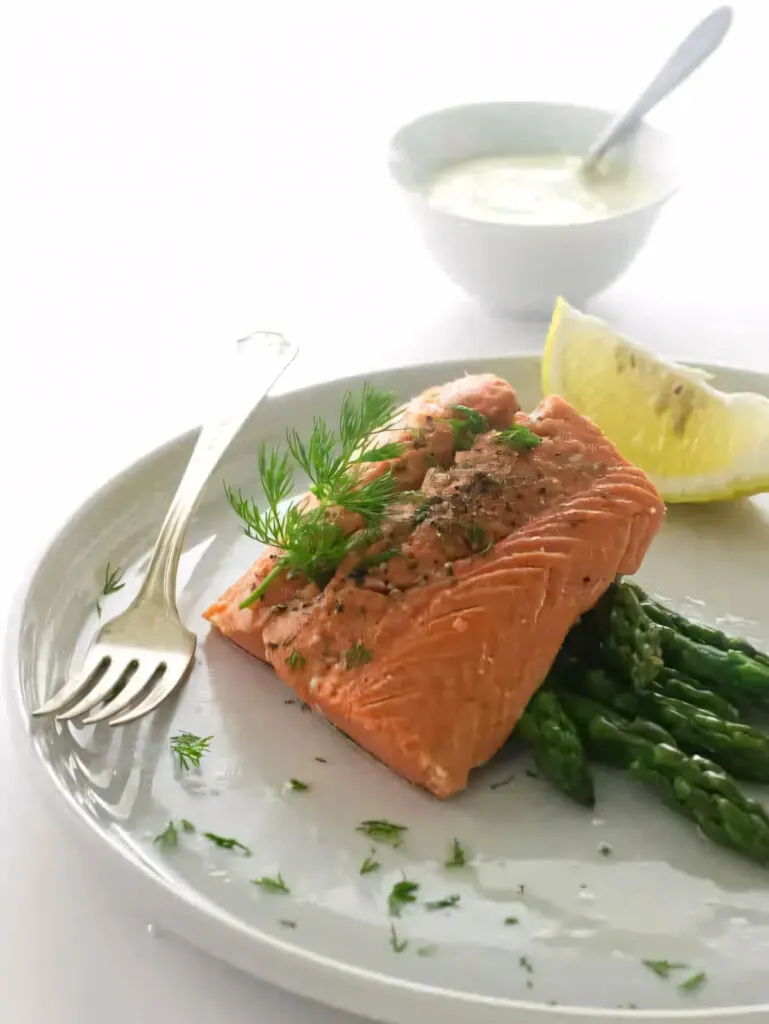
[(586, 920)]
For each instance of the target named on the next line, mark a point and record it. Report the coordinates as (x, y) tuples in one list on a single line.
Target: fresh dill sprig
[(226, 843), (168, 839), (311, 542), (113, 581), (518, 436), (189, 748), (458, 858), (298, 786), (273, 885), (383, 832)]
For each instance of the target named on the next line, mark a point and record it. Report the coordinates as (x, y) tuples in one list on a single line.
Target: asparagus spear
[(708, 796), (672, 684), (696, 631), (729, 672), (607, 736), (619, 634), (693, 786), (736, 747), (556, 746)]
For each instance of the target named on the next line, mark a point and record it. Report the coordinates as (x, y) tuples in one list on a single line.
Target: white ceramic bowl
[(522, 268)]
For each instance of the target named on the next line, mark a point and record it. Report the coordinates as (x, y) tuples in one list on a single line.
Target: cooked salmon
[(428, 657), (427, 440)]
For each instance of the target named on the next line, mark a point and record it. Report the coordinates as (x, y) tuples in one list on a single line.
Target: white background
[(176, 174)]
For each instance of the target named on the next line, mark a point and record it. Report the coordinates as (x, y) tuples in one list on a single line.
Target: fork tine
[(116, 672), (125, 698), (174, 675), (75, 686)]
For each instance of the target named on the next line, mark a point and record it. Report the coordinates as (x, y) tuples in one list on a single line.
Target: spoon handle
[(686, 58)]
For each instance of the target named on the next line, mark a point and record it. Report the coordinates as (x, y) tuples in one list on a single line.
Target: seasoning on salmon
[(428, 658)]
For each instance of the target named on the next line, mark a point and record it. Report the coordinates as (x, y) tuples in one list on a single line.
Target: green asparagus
[(696, 631), (691, 785), (731, 673), (607, 736), (736, 747), (556, 746), (619, 635), (702, 792), (672, 684)]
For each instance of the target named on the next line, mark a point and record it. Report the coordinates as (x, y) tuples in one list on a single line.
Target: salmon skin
[(428, 657)]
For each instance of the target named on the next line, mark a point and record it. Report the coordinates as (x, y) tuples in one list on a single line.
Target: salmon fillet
[(429, 658), (426, 441)]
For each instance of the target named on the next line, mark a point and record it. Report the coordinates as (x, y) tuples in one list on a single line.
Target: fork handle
[(261, 359)]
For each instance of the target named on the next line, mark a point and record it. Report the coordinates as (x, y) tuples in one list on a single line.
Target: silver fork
[(140, 657)]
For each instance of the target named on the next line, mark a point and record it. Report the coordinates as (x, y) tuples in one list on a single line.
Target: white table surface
[(175, 174)]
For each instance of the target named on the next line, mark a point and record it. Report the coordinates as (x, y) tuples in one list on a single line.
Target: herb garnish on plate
[(113, 581), (190, 748), (458, 858), (401, 893), (226, 842), (383, 831), (272, 885)]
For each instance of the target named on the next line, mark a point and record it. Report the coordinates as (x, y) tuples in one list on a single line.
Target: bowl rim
[(417, 192)]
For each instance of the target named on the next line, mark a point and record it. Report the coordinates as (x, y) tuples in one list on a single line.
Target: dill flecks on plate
[(398, 945), (189, 748), (298, 786), (168, 839), (369, 865), (662, 968), (458, 858), (446, 903), (312, 544), (112, 583), (694, 983), (401, 894), (273, 885), (226, 843), (383, 831), (187, 826)]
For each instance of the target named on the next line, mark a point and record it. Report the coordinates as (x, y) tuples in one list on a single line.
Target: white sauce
[(535, 190)]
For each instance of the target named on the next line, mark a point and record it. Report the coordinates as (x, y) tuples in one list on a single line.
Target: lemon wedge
[(696, 443)]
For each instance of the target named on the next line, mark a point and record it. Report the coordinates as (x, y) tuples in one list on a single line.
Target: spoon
[(703, 40)]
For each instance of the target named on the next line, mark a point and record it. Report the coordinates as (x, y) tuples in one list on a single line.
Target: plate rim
[(306, 973)]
